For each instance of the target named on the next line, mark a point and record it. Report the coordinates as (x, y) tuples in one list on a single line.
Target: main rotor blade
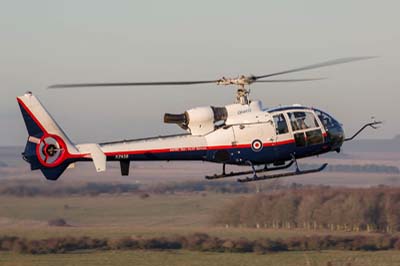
[(287, 80), (166, 83), (222, 81), (323, 64)]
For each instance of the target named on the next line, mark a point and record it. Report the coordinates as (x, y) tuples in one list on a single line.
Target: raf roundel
[(256, 145)]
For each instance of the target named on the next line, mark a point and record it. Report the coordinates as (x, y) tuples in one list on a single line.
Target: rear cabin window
[(280, 124), (302, 120)]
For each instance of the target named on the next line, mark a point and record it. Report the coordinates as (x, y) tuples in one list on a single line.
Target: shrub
[(396, 244), (123, 243), (271, 245), (194, 241), (200, 242), (144, 195), (57, 222), (243, 245)]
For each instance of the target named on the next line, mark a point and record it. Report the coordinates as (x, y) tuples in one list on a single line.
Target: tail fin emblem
[(50, 150)]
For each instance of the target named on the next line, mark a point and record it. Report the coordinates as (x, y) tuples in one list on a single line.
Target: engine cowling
[(199, 120), (203, 120)]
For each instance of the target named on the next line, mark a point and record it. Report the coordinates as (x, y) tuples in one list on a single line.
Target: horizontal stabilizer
[(97, 155)]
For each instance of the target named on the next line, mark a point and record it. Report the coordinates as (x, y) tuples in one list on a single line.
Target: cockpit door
[(306, 130), (283, 136)]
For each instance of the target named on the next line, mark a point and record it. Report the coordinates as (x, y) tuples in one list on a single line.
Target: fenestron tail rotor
[(241, 81)]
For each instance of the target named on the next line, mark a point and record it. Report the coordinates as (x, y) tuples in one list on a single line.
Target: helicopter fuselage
[(253, 134), (234, 134), (242, 133)]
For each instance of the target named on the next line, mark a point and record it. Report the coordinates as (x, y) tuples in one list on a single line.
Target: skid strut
[(297, 172), (253, 171)]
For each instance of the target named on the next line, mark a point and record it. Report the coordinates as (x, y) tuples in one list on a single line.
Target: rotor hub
[(242, 94), (241, 80)]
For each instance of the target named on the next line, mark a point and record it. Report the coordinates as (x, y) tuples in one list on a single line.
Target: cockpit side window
[(280, 124), (302, 120)]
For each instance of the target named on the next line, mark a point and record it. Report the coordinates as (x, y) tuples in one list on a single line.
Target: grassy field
[(116, 216), (154, 258), (158, 215), (115, 210), (109, 216)]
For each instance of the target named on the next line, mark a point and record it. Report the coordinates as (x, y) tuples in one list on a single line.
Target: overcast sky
[(46, 42)]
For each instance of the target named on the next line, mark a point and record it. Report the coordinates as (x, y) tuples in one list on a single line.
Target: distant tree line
[(199, 186), (200, 242), (32, 189), (357, 168), (373, 209), (91, 189), (94, 189)]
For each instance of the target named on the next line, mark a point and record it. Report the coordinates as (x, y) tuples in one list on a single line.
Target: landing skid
[(265, 169), (297, 172)]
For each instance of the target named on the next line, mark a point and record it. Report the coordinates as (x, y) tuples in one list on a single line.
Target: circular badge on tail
[(256, 145), (50, 150)]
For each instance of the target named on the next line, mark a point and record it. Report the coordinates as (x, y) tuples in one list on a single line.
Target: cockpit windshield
[(333, 128), (327, 120)]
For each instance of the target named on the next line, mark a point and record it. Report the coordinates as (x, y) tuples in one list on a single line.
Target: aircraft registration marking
[(121, 156)]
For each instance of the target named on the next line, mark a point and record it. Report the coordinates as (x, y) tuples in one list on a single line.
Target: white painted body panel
[(42, 115), (178, 143)]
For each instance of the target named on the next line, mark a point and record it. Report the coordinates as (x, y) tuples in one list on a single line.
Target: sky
[(45, 42)]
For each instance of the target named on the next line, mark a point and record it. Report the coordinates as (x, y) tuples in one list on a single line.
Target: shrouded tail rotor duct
[(200, 120), (50, 151)]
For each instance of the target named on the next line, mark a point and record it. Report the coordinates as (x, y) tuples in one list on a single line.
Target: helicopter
[(243, 133)]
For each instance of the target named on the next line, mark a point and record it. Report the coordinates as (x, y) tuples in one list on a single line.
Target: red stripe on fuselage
[(200, 148)]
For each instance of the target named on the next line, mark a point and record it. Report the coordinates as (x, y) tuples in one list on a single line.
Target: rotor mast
[(242, 94)]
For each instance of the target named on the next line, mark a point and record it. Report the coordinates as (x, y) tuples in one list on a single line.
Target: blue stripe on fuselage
[(238, 156)]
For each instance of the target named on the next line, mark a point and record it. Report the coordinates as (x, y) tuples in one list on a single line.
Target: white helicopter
[(242, 133)]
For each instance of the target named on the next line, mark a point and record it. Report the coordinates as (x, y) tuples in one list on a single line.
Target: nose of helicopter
[(336, 136), (334, 130)]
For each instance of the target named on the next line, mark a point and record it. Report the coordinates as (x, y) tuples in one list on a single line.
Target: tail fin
[(48, 148)]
